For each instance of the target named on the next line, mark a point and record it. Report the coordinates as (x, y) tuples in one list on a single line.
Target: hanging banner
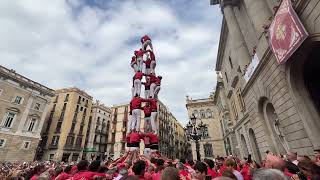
[(286, 32)]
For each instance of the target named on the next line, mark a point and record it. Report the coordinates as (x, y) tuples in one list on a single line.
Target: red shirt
[(83, 175), (158, 81), (147, 111), (185, 174), (148, 63), (153, 78), (156, 176), (146, 85), (212, 173), (222, 169), (153, 138), (145, 38), (135, 137), (139, 53), (246, 172), (63, 176), (138, 75), (128, 138), (136, 103), (153, 104)]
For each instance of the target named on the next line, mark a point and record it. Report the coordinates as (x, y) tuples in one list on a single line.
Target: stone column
[(237, 38), (259, 13)]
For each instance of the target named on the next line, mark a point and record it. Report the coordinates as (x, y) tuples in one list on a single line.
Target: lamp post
[(195, 133)]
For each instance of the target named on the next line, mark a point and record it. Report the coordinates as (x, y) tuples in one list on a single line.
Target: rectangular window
[(67, 98), (70, 140), (51, 156), (225, 73), (2, 143), (81, 129), (230, 62), (31, 125), (26, 144), (64, 106), (18, 100), (58, 128), (37, 106), (55, 140), (56, 100), (9, 120), (78, 142), (72, 127), (79, 100), (208, 150)]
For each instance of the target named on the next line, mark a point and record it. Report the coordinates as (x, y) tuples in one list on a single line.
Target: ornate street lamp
[(195, 133)]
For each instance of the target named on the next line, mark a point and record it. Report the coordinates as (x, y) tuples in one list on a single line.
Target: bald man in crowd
[(275, 162)]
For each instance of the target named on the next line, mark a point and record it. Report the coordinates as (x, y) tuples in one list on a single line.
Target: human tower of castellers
[(143, 64)]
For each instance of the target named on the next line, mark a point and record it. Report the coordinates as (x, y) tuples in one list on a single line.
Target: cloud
[(89, 44)]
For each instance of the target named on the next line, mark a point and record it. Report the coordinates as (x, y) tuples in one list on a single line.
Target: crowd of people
[(133, 166)]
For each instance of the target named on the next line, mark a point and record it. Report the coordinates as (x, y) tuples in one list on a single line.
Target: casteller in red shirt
[(147, 111), (135, 137), (153, 138), (144, 39), (212, 173), (153, 104), (136, 103), (246, 172), (139, 53)]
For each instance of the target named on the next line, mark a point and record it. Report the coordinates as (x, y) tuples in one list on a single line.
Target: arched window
[(202, 114), (209, 113)]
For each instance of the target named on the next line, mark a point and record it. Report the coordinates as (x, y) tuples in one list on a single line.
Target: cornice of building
[(195, 102), (74, 89), (101, 106), (11, 74)]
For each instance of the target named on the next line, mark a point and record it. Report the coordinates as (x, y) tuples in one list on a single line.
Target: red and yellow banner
[(286, 32)]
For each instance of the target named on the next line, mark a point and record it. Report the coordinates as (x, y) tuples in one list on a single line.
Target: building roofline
[(74, 89), (12, 74)]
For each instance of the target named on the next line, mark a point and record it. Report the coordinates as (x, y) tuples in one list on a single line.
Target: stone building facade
[(171, 134), (211, 144), (98, 132), (23, 108), (63, 136), (172, 139), (278, 107)]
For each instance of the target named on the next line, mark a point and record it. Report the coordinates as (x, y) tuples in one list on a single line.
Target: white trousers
[(135, 67), (140, 63), (146, 44), (153, 121), (153, 66), (147, 70), (132, 91), (135, 119), (137, 87), (156, 91), (146, 94), (152, 89)]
